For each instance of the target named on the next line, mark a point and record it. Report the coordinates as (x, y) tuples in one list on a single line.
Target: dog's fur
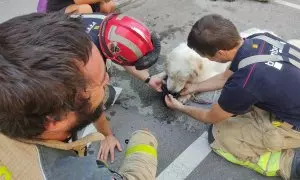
[(183, 65)]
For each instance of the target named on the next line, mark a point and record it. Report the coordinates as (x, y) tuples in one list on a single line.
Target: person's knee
[(84, 8), (108, 7), (81, 9)]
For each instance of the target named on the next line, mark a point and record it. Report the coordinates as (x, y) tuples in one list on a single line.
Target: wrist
[(109, 134), (105, 1), (182, 108), (147, 80)]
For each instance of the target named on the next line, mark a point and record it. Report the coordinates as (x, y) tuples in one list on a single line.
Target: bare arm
[(103, 126), (110, 143), (214, 115), (140, 74), (155, 81), (87, 1), (214, 83)]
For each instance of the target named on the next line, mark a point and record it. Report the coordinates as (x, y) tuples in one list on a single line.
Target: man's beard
[(86, 118)]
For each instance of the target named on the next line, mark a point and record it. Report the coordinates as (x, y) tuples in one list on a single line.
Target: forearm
[(87, 1), (211, 84), (214, 83), (140, 74), (103, 125), (196, 113)]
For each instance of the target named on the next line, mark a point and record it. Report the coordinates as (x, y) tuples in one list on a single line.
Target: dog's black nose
[(166, 91), (173, 92)]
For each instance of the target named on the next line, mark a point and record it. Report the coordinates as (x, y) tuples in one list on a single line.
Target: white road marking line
[(289, 4), (187, 161)]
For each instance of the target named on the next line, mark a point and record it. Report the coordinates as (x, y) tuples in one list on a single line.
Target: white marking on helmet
[(120, 16), (95, 16), (112, 36), (139, 32)]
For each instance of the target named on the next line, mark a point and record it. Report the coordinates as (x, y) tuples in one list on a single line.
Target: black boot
[(210, 137), (295, 172), (264, 1), (111, 95)]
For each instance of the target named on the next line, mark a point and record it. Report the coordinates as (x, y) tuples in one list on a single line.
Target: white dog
[(183, 65)]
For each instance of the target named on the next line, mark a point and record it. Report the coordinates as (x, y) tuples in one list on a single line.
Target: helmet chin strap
[(151, 57)]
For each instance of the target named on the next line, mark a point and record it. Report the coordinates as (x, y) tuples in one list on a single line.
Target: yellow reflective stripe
[(231, 158), (276, 123), (263, 160), (142, 148), (5, 173), (268, 163), (274, 161)]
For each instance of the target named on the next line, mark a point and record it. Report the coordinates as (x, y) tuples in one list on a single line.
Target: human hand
[(108, 146), (173, 103), (156, 83), (189, 89)]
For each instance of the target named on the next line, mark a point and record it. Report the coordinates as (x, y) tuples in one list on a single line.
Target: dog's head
[(182, 65)]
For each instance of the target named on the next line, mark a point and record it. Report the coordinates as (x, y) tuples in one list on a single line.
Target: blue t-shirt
[(271, 86)]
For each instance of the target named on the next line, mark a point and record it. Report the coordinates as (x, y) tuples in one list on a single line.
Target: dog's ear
[(200, 67), (196, 68), (166, 62)]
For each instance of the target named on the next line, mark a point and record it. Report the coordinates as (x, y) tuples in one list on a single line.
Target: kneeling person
[(256, 121), (52, 85)]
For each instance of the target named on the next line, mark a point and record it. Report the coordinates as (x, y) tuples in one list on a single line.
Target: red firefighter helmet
[(125, 40)]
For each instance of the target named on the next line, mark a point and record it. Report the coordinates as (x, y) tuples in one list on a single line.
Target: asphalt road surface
[(183, 151)]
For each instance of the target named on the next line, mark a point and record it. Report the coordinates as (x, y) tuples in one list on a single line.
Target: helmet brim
[(151, 57)]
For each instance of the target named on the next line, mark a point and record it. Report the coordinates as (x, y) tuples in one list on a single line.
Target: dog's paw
[(184, 99)]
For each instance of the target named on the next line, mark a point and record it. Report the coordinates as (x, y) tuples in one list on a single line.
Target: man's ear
[(56, 123), (59, 122), (51, 123), (221, 53)]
